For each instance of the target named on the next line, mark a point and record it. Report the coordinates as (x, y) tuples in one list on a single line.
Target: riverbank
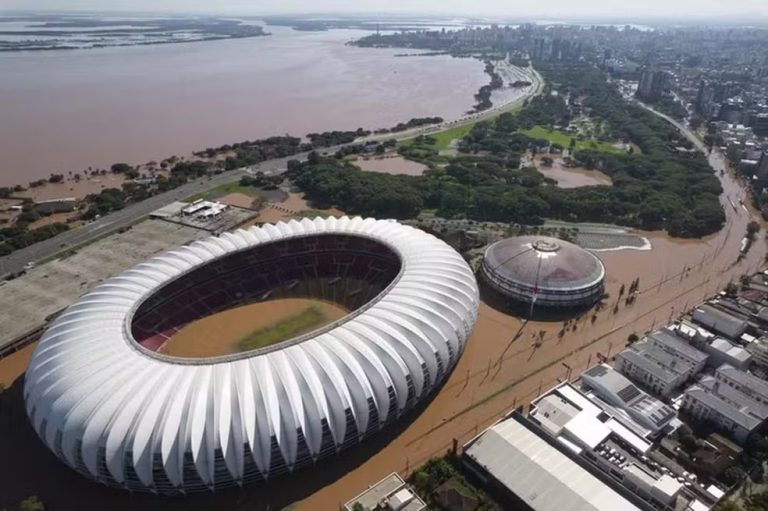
[(66, 111)]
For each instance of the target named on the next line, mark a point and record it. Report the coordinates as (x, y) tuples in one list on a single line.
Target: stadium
[(544, 271), (105, 398)]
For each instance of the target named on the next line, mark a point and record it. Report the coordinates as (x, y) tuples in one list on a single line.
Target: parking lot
[(27, 302)]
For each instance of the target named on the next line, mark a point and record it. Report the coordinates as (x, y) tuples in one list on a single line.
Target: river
[(64, 111)]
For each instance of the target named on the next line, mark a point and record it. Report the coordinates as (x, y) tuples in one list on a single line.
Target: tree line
[(655, 188)]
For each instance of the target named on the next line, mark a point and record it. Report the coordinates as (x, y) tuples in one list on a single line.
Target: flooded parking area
[(395, 165), (572, 177)]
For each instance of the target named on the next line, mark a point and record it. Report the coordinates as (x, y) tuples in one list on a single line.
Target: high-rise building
[(653, 83), (759, 124), (762, 167), (705, 99)]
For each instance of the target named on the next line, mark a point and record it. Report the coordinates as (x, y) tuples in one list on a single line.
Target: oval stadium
[(108, 393), (546, 271)]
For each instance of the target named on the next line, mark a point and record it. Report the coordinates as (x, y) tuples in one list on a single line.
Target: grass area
[(564, 139), (443, 139), (303, 322), (223, 190)]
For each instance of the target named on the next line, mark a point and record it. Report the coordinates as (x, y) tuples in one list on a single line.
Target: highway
[(18, 260), (105, 225)]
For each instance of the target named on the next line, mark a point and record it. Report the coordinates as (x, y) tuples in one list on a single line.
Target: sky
[(517, 9)]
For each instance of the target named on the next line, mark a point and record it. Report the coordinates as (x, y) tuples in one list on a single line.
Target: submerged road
[(18, 260)]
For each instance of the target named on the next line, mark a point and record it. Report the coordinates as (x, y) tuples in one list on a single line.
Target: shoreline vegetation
[(144, 181), (64, 32), (654, 187)]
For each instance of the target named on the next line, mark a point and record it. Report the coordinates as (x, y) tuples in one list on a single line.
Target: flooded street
[(500, 369), (67, 110)]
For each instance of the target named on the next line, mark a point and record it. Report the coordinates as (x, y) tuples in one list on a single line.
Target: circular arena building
[(548, 271), (109, 403)]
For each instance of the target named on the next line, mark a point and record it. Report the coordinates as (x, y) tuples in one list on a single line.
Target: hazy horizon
[(598, 10)]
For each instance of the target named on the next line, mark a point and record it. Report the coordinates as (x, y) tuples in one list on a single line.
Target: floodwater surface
[(67, 110), (395, 165), (224, 333)]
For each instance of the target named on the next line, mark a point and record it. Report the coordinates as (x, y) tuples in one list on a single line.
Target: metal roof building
[(653, 367), (549, 271), (670, 342), (618, 391), (126, 416), (719, 321), (537, 474)]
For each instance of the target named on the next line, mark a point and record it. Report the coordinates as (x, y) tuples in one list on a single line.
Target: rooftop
[(538, 474), (547, 263), (711, 400), (656, 361), (553, 413), (712, 317), (671, 341), (391, 487), (730, 349), (633, 399), (744, 379)]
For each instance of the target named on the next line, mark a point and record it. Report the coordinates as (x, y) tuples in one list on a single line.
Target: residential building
[(722, 351), (389, 494), (668, 340), (653, 368), (718, 349), (759, 350), (615, 389), (719, 321), (734, 401)]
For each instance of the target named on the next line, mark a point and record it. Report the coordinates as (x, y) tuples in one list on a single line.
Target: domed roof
[(544, 263)]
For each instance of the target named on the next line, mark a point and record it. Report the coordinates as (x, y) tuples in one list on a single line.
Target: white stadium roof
[(128, 417)]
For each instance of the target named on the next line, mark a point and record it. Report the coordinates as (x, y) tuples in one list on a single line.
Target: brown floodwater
[(575, 177), (220, 334), (501, 368), (66, 110), (391, 165)]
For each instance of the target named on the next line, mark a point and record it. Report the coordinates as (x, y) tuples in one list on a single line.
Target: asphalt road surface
[(17, 261)]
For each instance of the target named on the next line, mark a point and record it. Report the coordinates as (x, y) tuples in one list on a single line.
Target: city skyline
[(712, 10)]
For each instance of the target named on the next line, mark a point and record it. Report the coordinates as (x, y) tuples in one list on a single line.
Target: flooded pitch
[(250, 327)]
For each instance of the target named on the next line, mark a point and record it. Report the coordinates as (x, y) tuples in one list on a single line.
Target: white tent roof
[(118, 413)]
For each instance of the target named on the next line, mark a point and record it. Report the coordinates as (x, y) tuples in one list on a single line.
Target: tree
[(632, 338), (758, 502), (727, 505), (120, 168), (31, 504), (358, 507), (731, 289), (734, 475)]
